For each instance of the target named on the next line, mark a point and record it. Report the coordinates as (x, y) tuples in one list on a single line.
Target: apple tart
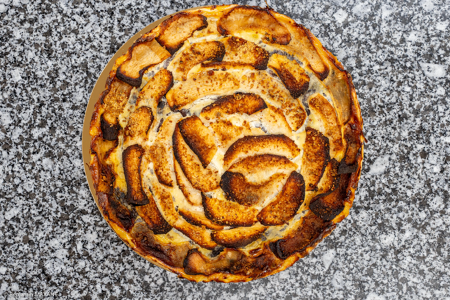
[(227, 144)]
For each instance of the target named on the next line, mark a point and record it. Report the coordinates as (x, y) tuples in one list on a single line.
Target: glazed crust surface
[(227, 144)]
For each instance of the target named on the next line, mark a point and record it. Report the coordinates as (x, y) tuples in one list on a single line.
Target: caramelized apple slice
[(228, 213), (131, 158), (147, 244), (165, 203), (115, 211), (161, 151), (244, 103), (311, 231), (315, 157), (302, 47), (195, 54), (286, 204), (152, 217), (330, 205), (155, 89), (178, 28), (330, 178), (238, 237), (199, 85), (352, 137), (238, 189), (325, 117), (144, 53), (262, 166), (192, 195), (243, 51), (253, 19), (293, 76), (199, 139), (264, 144), (196, 263), (198, 219), (203, 179), (139, 123), (113, 102), (102, 176)]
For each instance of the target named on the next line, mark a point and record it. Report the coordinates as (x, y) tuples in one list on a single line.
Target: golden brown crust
[(178, 28), (286, 204), (132, 166), (269, 109), (254, 19)]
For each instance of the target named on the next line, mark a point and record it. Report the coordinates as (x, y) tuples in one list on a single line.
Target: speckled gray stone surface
[(54, 243)]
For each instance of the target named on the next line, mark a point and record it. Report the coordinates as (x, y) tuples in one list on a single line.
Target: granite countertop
[(54, 244)]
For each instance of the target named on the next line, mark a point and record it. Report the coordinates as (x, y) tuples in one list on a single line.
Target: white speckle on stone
[(442, 26), (2, 270), (338, 280), (12, 213), (362, 9), (427, 5), (61, 254), (5, 118), (373, 296), (3, 8), (440, 91), (379, 166), (16, 74), (328, 257), (47, 163), (340, 15), (437, 203), (433, 70), (386, 11), (446, 139)]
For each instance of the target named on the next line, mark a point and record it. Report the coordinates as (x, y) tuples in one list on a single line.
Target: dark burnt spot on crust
[(315, 157), (329, 205), (286, 204), (170, 34), (131, 158), (312, 230), (242, 18), (110, 131)]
